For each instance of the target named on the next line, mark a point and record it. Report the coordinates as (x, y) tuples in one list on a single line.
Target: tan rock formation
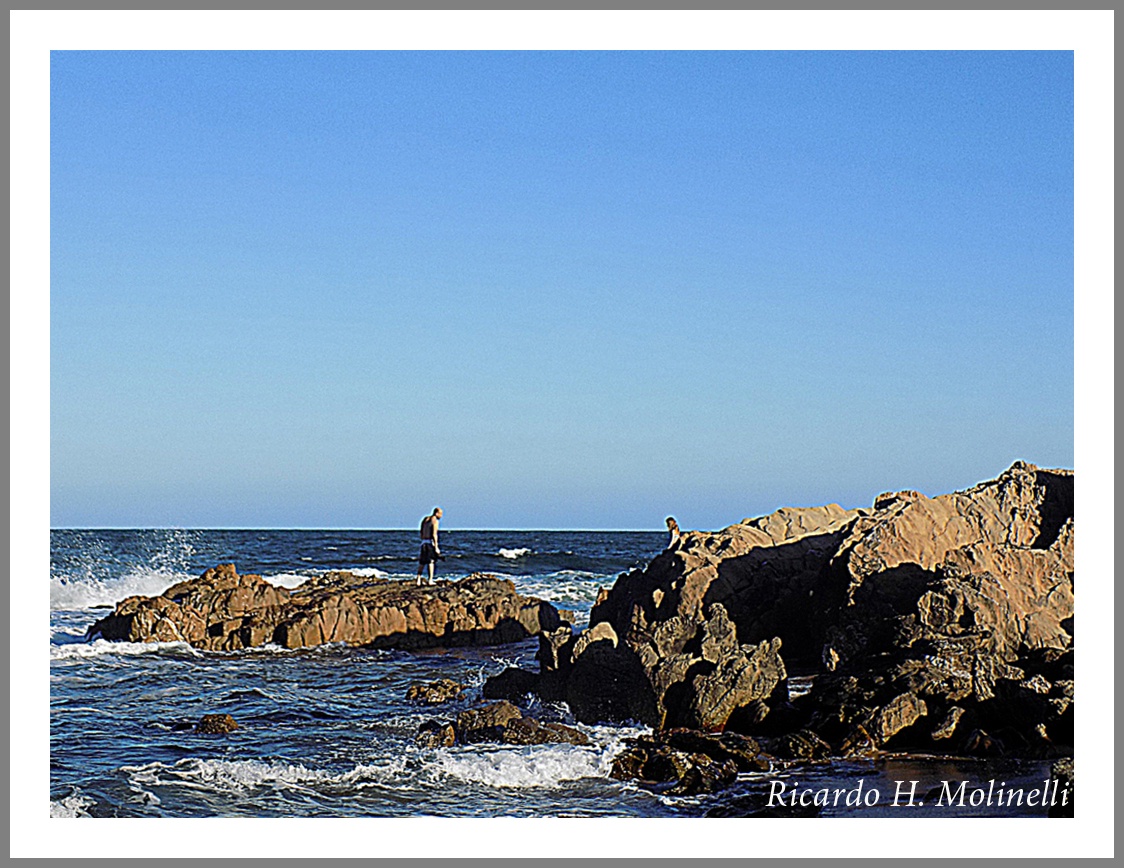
[(912, 615), (224, 611)]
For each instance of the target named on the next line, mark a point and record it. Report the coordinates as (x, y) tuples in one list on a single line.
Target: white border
[(33, 34)]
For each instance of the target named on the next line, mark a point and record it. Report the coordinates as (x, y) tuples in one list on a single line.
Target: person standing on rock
[(430, 550)]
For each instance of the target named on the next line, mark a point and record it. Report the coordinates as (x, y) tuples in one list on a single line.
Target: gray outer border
[(660, 5), (562, 5)]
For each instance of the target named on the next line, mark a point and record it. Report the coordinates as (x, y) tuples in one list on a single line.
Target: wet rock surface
[(223, 610), (688, 762), (497, 722), (216, 724), (435, 692)]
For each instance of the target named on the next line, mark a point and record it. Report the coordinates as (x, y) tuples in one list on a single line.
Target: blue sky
[(556, 290)]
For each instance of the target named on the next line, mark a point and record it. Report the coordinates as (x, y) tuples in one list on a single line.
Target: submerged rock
[(435, 692), (222, 610), (216, 723), (685, 762), (435, 734), (485, 723), (499, 722)]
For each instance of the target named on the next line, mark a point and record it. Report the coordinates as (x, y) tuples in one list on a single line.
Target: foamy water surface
[(322, 731)]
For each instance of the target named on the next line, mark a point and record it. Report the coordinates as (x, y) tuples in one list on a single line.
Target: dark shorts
[(428, 554)]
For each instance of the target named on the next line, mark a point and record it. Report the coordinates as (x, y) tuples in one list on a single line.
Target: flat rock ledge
[(223, 610)]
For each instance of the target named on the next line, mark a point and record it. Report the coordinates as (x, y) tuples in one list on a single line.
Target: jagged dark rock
[(745, 752), (512, 684), (687, 762), (804, 744)]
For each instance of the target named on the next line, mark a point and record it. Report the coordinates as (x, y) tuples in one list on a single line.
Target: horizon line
[(381, 529)]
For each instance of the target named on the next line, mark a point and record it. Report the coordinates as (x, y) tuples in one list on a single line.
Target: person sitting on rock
[(430, 551), (673, 529)]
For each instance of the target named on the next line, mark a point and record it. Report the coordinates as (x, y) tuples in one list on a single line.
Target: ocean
[(328, 731)]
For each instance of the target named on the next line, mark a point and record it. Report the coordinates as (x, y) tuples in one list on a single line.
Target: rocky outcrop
[(943, 624), (435, 692), (687, 762), (500, 722), (225, 611), (761, 571), (947, 622), (220, 610), (692, 674)]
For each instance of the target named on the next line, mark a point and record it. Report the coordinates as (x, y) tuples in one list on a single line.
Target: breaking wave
[(565, 586), (74, 592), (287, 580), (101, 647), (538, 766), (521, 768), (241, 776)]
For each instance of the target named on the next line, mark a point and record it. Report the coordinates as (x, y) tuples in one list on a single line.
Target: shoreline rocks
[(222, 610), (435, 692), (498, 722), (939, 624)]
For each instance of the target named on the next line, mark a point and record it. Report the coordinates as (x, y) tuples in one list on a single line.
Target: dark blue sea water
[(327, 732)]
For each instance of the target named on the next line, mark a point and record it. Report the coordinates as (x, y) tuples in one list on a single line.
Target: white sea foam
[(144, 797), (67, 634), (100, 647), (76, 592), (521, 768), (512, 554), (74, 805), (287, 580), (96, 576), (328, 649), (222, 775), (538, 765), (612, 739), (293, 580), (240, 776), (369, 572), (565, 586)]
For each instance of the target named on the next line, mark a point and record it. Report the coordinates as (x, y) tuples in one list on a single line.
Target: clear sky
[(552, 290)]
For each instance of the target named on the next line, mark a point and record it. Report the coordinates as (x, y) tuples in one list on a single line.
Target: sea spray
[(520, 768)]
